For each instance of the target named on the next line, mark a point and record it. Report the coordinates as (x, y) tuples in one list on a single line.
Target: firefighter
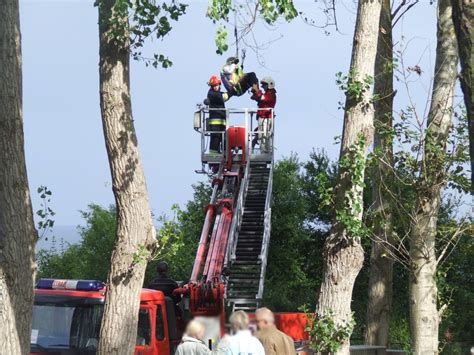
[(217, 114), (266, 102), (164, 283), (235, 80)]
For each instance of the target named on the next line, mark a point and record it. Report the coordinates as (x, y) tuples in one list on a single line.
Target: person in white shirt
[(242, 342)]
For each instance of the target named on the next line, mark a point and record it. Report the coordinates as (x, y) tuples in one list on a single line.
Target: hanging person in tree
[(235, 80)]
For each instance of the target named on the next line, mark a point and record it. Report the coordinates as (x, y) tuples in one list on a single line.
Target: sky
[(63, 133)]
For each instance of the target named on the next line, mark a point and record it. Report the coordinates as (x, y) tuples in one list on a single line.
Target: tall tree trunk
[(463, 18), (424, 319), (343, 252), (17, 232), (381, 267), (135, 228)]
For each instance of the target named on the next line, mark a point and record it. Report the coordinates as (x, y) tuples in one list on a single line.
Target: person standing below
[(163, 282), (191, 343), (274, 341), (266, 102), (235, 80), (242, 342), (217, 114)]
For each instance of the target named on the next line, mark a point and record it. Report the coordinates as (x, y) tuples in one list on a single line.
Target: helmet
[(232, 60), (214, 81), (162, 267), (229, 68), (269, 81)]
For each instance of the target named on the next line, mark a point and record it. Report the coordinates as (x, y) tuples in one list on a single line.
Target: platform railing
[(243, 117)]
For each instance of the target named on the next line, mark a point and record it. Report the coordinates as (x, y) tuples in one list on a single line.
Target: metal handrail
[(267, 221), (266, 233), (239, 211)]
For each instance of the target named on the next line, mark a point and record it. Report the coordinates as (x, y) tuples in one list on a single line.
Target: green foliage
[(399, 335), (90, 258), (219, 10), (45, 213), (299, 228), (352, 166), (325, 334), (456, 282), (355, 88), (221, 40), (181, 235), (270, 10), (131, 22), (419, 160), (300, 224)]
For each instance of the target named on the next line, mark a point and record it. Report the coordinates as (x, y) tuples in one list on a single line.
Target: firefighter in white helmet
[(266, 101)]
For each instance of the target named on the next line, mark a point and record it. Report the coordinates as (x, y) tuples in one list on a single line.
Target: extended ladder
[(247, 242)]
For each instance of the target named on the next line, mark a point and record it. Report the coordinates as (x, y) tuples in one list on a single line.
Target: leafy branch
[(326, 335), (131, 22), (45, 213)]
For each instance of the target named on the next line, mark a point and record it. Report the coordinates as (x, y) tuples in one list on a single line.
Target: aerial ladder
[(231, 259)]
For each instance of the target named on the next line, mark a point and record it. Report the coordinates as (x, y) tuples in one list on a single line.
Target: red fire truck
[(67, 316), (229, 268)]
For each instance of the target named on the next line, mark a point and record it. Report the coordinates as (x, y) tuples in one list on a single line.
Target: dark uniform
[(164, 283), (217, 118)]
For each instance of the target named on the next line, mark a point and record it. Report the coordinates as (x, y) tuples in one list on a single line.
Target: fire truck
[(230, 264)]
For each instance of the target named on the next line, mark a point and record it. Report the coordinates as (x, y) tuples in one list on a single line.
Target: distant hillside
[(69, 234)]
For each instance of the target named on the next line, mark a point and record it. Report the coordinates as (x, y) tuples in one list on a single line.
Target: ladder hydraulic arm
[(229, 267)]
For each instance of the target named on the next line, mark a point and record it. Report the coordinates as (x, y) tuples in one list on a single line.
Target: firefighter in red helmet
[(217, 114)]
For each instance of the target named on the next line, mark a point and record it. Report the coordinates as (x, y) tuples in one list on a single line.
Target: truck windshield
[(61, 323), (71, 325)]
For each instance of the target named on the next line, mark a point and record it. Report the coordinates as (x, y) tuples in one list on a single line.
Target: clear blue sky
[(63, 133)]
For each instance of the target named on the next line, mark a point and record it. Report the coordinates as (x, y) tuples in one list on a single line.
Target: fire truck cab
[(67, 315)]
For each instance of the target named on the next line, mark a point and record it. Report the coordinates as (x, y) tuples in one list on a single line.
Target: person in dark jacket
[(266, 102), (217, 114), (235, 80), (164, 283)]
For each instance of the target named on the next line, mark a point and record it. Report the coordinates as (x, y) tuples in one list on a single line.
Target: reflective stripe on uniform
[(216, 121)]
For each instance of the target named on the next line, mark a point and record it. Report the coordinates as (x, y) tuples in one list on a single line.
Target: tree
[(424, 316), (17, 232), (246, 14), (79, 261), (135, 233), (381, 267), (343, 252), (463, 18), (300, 226), (296, 238)]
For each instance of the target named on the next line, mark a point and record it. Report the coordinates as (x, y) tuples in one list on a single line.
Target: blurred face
[(200, 334), (261, 323), (264, 86), (216, 88)]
